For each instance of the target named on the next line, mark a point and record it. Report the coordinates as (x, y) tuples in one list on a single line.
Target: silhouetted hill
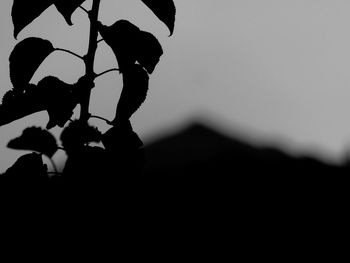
[(200, 150), (202, 159)]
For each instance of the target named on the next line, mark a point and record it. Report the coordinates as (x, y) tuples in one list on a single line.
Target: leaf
[(77, 134), (28, 167), (83, 84), (165, 10), (133, 94), (125, 154), (8, 97), (121, 137), (67, 8), (26, 11), (58, 99), (35, 139), (51, 94), (130, 44), (122, 37), (16, 105), (149, 51), (25, 59)]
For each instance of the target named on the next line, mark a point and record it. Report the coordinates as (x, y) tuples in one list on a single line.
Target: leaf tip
[(50, 125), (69, 22), (15, 34)]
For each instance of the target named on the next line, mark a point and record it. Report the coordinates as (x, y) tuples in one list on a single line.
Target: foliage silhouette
[(25, 60), (25, 12), (16, 105), (35, 139), (137, 53), (77, 135), (29, 168), (121, 137), (130, 44), (165, 10), (134, 77), (59, 100), (51, 94), (67, 8)]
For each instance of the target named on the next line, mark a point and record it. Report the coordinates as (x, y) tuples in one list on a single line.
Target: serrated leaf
[(165, 10), (67, 8), (51, 94), (121, 137), (25, 11), (25, 59), (134, 92), (8, 97), (58, 99), (20, 105), (77, 134), (130, 44), (35, 139)]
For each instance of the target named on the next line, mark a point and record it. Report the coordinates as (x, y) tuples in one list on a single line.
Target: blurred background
[(275, 72)]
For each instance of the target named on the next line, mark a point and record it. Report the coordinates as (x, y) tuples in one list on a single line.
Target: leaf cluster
[(137, 53)]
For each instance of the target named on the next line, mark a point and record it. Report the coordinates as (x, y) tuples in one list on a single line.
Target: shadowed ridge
[(199, 150), (194, 142), (204, 168)]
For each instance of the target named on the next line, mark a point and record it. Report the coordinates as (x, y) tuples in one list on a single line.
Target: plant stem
[(101, 118), (84, 9), (61, 148), (89, 59), (69, 52), (106, 71)]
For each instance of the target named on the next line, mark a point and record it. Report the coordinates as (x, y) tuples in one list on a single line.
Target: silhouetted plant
[(137, 53)]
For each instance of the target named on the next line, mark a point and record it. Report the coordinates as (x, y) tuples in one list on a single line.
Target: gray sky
[(275, 69)]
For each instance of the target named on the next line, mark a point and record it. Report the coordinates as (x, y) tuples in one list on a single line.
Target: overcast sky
[(274, 69)]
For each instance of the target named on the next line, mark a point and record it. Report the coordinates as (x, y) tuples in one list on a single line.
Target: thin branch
[(69, 52), (90, 59), (105, 72), (101, 118), (84, 9)]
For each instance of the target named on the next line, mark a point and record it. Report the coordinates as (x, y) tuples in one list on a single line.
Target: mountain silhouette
[(232, 183), (200, 160), (202, 151)]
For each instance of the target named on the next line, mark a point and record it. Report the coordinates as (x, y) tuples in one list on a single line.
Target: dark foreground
[(197, 162), (199, 194)]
